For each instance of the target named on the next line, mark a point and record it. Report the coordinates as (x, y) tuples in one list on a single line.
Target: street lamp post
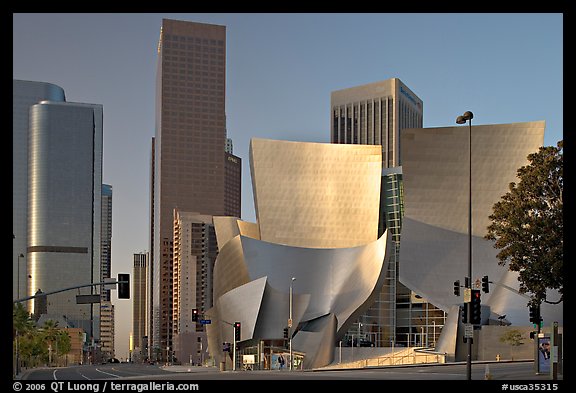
[(468, 116), (422, 336), (18, 275), (290, 321)]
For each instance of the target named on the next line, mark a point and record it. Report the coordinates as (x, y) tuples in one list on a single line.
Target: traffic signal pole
[(234, 350), (67, 289)]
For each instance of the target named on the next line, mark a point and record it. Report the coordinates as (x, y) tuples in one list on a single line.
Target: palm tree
[(50, 334), (22, 325)]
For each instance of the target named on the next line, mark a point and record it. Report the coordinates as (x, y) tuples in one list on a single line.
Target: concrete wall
[(490, 344)]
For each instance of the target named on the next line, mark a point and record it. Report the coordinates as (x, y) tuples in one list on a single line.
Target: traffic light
[(123, 286), (457, 288), (475, 309), (465, 313), (485, 287), (194, 315), (286, 333), (226, 347), (535, 317), (237, 331)]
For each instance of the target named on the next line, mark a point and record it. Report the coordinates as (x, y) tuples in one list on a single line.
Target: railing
[(406, 356)]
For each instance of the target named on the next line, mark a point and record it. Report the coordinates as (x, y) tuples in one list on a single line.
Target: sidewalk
[(187, 368)]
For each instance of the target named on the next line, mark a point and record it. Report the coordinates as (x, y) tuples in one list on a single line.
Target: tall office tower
[(375, 114), (106, 308), (189, 146), (64, 207), (233, 185), (107, 330), (150, 338), (24, 95), (232, 181), (139, 292), (106, 241), (195, 251)]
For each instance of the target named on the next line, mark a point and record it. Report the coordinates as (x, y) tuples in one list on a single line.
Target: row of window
[(180, 38), (181, 65), (182, 49)]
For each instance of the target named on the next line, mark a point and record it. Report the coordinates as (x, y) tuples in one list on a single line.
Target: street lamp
[(290, 320), (468, 116), (18, 277)]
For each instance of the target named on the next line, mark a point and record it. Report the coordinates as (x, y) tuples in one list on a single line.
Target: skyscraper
[(106, 241), (106, 308), (374, 114), (64, 207), (107, 330), (232, 185), (139, 284), (195, 251), (24, 95), (189, 159)]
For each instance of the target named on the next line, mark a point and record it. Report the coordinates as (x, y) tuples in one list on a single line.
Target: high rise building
[(232, 185), (106, 307), (139, 295), (106, 240), (150, 309), (189, 159), (376, 114), (64, 207), (107, 330), (195, 251), (24, 95)]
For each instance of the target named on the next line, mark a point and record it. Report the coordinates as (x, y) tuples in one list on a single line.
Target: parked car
[(113, 360)]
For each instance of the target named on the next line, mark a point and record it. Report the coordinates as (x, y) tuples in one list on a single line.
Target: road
[(89, 372), (497, 371)]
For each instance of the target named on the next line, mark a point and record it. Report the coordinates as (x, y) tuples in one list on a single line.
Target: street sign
[(205, 321), (467, 295), (87, 299), (289, 322), (468, 330)]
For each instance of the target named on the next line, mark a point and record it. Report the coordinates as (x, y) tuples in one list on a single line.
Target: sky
[(280, 72)]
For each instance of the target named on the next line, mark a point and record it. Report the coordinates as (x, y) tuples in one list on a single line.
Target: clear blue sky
[(281, 69)]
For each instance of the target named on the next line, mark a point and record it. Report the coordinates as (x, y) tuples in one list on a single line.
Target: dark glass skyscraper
[(189, 157)]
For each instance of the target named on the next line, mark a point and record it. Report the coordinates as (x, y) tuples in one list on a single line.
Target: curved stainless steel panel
[(435, 226), (316, 195), (317, 207)]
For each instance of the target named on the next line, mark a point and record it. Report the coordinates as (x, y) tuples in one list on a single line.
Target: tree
[(22, 326), (527, 225), (22, 323), (50, 333), (513, 338)]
